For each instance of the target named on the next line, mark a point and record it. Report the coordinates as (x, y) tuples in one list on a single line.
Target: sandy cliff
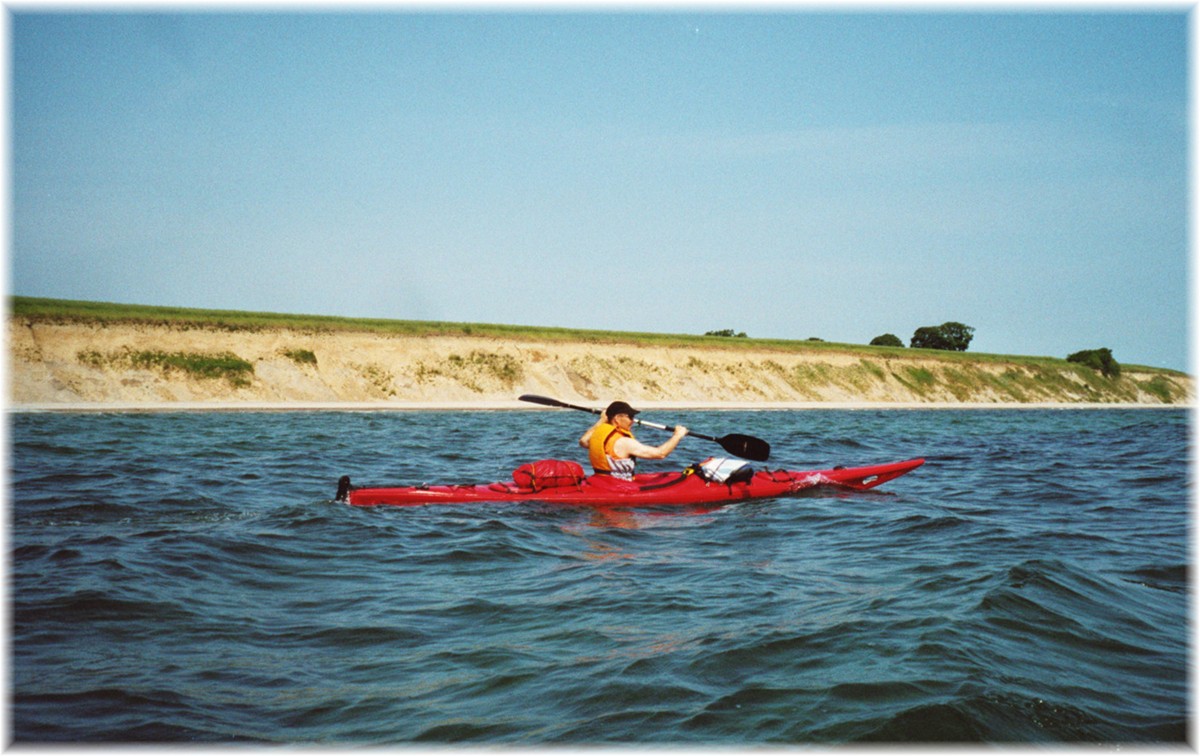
[(64, 364)]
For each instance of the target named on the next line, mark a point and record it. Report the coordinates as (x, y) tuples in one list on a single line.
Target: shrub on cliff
[(227, 365), (1098, 359), (888, 340), (301, 356)]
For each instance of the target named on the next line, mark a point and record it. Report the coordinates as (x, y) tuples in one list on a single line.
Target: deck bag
[(724, 470), (548, 473)]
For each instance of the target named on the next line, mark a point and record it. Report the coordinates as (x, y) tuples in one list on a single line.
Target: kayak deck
[(650, 489)]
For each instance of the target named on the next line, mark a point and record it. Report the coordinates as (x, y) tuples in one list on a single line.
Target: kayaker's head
[(619, 408)]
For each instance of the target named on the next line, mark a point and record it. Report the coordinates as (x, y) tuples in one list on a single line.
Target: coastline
[(155, 367), (515, 405)]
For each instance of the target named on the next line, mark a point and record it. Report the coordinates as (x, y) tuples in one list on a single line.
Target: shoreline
[(88, 367), (515, 405)]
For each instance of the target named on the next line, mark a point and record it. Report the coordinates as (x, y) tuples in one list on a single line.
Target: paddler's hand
[(680, 431)]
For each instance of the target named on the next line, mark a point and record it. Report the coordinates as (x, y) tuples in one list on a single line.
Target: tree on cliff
[(951, 336), (888, 340), (1098, 359)]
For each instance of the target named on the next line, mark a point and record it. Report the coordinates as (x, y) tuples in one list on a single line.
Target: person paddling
[(612, 448)]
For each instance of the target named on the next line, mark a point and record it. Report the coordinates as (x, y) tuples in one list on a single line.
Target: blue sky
[(791, 173)]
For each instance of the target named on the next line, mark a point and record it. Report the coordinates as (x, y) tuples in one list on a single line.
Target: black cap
[(619, 408)]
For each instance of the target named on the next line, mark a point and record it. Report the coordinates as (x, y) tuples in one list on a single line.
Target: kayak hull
[(650, 489)]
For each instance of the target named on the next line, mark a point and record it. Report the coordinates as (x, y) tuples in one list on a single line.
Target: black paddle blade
[(547, 401), (746, 447)]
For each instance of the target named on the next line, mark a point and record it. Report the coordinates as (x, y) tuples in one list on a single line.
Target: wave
[(993, 718), (1175, 578), (916, 524), (94, 606), (112, 715)]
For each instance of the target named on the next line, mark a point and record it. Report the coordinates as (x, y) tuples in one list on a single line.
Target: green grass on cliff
[(65, 310), (211, 366)]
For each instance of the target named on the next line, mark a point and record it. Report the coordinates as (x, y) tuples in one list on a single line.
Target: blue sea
[(188, 578)]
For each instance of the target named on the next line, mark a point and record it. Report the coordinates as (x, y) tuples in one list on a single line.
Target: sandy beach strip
[(495, 405)]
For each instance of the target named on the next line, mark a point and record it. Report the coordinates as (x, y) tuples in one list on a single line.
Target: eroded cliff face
[(54, 363)]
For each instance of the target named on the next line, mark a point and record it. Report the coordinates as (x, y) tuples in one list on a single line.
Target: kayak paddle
[(737, 444)]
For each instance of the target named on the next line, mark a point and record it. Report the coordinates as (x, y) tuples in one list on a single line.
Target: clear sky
[(791, 173)]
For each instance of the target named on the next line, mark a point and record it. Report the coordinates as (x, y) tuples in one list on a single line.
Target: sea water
[(189, 578)]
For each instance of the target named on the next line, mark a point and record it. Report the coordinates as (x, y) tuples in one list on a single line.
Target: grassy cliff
[(64, 350)]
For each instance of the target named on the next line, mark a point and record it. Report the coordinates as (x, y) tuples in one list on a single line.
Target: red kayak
[(689, 486)]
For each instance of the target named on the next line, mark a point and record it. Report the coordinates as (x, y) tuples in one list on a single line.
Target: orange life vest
[(600, 451)]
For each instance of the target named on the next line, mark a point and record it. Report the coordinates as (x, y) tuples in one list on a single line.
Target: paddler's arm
[(586, 438), (631, 447)]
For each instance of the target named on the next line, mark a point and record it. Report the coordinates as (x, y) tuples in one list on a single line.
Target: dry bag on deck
[(548, 473), (724, 470)]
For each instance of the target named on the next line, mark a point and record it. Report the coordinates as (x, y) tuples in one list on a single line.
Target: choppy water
[(186, 577)]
